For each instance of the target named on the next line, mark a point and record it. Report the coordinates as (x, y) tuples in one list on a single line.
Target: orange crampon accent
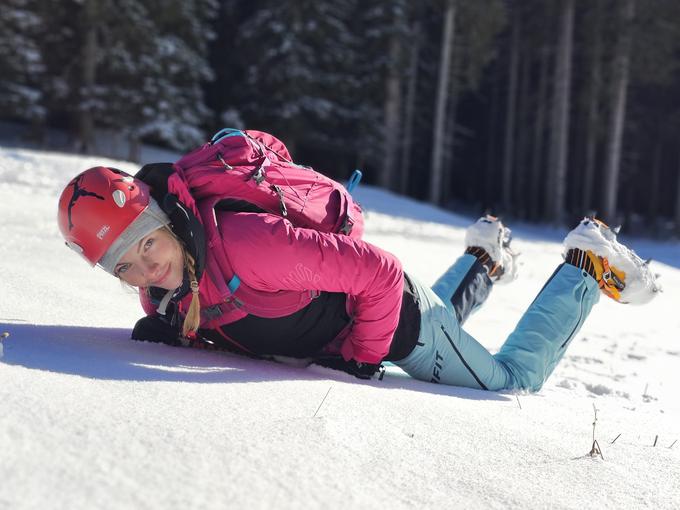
[(611, 283), (610, 280)]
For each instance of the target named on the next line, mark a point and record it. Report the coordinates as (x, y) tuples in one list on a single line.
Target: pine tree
[(595, 43), (535, 191), (676, 209), (131, 65), (21, 61), (386, 42), (301, 79), (511, 106), (619, 89), (416, 36), (559, 125), (474, 30), (653, 114), (441, 105), (174, 104)]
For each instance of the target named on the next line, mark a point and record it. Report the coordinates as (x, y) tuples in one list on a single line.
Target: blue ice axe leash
[(354, 180)]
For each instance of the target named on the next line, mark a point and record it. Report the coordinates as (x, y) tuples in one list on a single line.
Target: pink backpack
[(253, 171)]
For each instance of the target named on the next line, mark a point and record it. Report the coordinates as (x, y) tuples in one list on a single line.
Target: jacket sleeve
[(269, 254)]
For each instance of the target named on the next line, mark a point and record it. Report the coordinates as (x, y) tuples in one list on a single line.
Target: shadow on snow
[(109, 354)]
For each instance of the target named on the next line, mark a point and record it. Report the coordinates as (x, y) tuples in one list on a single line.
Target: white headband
[(151, 218)]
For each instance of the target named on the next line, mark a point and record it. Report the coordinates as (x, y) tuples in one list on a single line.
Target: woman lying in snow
[(328, 298)]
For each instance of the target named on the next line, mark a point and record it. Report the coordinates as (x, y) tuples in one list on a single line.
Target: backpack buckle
[(211, 312), (347, 225), (258, 175), (235, 302)]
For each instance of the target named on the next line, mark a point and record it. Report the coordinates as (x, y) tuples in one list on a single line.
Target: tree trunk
[(537, 167), (134, 149), (392, 113), (450, 130), (559, 125), (407, 141), (631, 195), (490, 181), (89, 77), (523, 130), (618, 112), (509, 145), (677, 201), (441, 102), (593, 111), (654, 181)]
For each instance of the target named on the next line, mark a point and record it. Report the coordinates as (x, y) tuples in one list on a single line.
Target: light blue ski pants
[(447, 354)]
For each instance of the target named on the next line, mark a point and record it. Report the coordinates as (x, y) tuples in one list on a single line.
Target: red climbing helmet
[(97, 206)]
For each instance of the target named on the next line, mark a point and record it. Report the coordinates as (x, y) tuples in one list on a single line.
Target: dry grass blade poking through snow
[(595, 450)]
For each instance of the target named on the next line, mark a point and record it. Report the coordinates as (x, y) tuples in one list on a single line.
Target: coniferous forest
[(541, 110)]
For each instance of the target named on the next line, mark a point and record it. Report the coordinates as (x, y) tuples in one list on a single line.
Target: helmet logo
[(77, 193), (119, 198), (103, 231)]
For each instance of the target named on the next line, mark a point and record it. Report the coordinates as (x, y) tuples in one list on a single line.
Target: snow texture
[(91, 419)]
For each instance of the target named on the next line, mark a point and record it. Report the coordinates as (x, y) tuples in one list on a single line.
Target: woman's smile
[(158, 282), (156, 261)]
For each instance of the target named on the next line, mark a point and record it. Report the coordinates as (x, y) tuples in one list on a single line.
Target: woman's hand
[(356, 368), (155, 328)]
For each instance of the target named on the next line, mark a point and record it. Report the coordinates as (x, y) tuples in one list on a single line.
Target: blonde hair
[(192, 320)]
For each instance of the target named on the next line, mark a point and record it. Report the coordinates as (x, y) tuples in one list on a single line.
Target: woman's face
[(155, 261)]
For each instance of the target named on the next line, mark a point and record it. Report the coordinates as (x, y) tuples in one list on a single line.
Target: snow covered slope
[(90, 419)]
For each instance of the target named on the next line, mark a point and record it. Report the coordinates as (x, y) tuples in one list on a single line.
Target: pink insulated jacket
[(282, 267), (270, 255)]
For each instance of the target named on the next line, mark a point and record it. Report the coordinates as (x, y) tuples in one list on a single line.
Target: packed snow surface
[(91, 419)]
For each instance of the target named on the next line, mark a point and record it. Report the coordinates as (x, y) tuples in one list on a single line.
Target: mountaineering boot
[(489, 240), (620, 273)]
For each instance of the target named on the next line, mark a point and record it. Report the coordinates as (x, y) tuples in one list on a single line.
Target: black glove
[(356, 368), (156, 328)]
